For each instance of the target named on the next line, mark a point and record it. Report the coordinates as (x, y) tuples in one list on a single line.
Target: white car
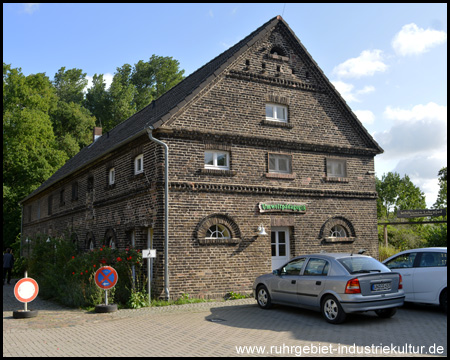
[(424, 274)]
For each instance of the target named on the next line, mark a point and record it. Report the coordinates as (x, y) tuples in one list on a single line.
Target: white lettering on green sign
[(288, 207)]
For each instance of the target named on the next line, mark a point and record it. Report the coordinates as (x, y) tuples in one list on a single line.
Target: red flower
[(73, 273), (81, 273), (119, 259), (86, 271), (127, 249), (101, 249), (95, 265), (73, 257)]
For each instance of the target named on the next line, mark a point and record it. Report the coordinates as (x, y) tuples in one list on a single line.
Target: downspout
[(21, 229), (166, 209)]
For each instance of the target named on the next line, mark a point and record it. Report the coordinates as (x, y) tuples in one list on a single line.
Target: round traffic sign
[(106, 277), (26, 290)]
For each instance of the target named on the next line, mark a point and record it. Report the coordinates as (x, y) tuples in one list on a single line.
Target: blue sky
[(388, 61)]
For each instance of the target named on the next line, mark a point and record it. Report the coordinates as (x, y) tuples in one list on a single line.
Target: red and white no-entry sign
[(26, 290)]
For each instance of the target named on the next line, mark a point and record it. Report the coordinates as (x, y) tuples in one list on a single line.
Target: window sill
[(217, 172), (232, 241), (336, 179), (339, 239), (274, 123), (280, 176)]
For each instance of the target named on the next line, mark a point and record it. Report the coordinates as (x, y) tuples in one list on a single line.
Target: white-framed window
[(112, 176), (218, 232), (336, 168), (217, 160), (139, 164), (338, 231), (279, 163), (276, 112)]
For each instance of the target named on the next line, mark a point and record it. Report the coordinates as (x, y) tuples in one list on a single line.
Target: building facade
[(266, 162)]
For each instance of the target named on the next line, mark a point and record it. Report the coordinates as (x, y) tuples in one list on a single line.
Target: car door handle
[(293, 281), (318, 282)]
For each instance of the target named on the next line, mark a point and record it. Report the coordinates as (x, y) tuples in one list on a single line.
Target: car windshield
[(361, 265)]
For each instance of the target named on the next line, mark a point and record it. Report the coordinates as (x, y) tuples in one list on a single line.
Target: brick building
[(259, 141)]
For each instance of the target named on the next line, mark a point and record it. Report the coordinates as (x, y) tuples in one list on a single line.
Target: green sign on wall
[(274, 206)]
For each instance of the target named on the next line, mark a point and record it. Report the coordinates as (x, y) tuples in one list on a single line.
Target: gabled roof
[(161, 109)]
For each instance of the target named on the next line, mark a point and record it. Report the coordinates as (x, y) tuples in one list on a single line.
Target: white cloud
[(367, 117), (419, 130), (418, 113), (347, 92), (366, 89), (412, 40), (31, 7), (367, 64)]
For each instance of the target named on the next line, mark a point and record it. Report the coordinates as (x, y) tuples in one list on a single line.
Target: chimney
[(97, 133)]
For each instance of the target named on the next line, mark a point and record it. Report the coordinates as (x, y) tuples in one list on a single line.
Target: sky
[(388, 61)]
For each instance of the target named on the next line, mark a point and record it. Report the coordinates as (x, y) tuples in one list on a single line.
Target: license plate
[(381, 287)]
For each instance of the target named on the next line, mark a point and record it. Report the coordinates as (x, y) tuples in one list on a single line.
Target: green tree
[(70, 85), (72, 125), (121, 94), (98, 102), (72, 122), (30, 153), (153, 78), (396, 193), (436, 234)]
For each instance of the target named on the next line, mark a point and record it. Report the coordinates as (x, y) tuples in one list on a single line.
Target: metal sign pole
[(106, 297), (25, 303), (149, 280)]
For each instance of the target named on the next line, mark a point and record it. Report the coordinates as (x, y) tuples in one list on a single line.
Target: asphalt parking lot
[(232, 328)]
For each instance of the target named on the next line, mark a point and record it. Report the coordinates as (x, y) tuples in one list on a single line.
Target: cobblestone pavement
[(217, 329)]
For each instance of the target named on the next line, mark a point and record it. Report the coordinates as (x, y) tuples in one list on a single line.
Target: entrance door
[(280, 246)]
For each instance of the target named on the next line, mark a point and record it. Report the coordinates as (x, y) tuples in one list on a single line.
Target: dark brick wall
[(229, 114)]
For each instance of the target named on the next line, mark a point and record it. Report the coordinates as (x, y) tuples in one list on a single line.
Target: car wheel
[(386, 313), (332, 310), (443, 300), (263, 297)]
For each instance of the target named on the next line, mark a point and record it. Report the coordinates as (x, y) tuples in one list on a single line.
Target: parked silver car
[(333, 283)]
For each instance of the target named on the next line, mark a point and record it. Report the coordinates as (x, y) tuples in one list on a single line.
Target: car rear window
[(360, 265)]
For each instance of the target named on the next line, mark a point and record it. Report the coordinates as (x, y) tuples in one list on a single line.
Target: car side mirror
[(276, 272)]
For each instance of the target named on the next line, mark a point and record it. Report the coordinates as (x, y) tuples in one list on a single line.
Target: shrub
[(68, 277)]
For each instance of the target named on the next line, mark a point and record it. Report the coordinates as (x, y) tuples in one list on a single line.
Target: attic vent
[(276, 50)]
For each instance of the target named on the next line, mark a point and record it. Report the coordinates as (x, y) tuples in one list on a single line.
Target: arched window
[(110, 238), (218, 232), (217, 229), (338, 231), (90, 241)]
